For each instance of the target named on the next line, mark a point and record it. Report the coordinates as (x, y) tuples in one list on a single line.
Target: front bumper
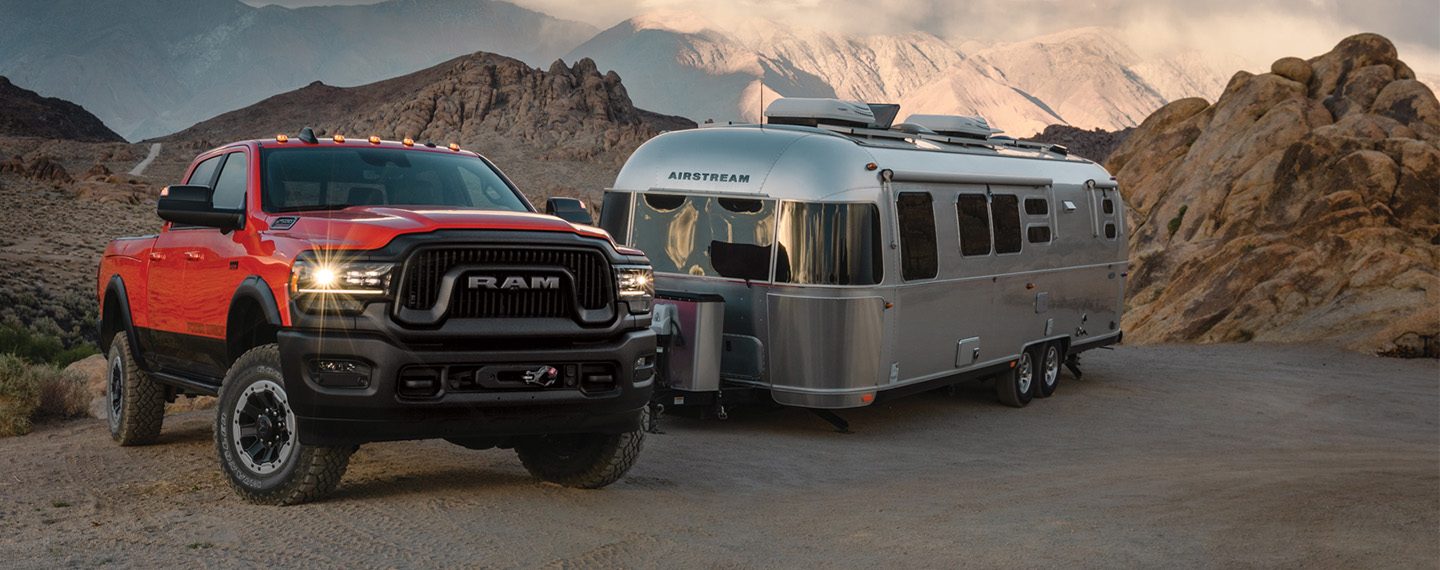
[(333, 415)]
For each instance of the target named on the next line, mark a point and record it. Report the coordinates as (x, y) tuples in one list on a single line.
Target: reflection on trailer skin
[(857, 263)]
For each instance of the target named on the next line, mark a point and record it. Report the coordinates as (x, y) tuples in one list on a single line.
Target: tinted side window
[(230, 187), (1038, 234), (1005, 211), (974, 222), (1110, 230), (917, 235), (205, 171), (1109, 206), (1037, 206)]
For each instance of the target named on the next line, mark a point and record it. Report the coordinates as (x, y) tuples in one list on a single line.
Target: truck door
[(165, 341), (212, 272)]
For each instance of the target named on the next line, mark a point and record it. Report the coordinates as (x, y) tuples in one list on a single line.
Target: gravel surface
[(1248, 455)]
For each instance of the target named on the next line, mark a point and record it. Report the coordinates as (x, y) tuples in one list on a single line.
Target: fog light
[(340, 373)]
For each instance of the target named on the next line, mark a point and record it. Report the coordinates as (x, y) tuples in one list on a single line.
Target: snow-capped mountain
[(680, 63)]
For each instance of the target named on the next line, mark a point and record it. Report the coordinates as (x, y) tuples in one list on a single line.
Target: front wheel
[(257, 438), (585, 461)]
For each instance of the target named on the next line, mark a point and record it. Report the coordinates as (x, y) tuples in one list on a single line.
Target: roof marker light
[(408, 141), (339, 138), (454, 147), (374, 139), (281, 138)]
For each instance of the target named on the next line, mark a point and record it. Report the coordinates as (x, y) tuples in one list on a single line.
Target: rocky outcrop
[(552, 126), (43, 168), (24, 113), (1303, 205), (1093, 144)]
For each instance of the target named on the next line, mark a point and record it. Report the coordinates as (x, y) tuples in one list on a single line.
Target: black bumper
[(378, 411)]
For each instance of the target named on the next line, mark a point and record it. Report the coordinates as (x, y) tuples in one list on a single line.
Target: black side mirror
[(569, 209), (194, 206)]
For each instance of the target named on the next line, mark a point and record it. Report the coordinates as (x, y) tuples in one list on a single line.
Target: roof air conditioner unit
[(813, 112), (960, 126)]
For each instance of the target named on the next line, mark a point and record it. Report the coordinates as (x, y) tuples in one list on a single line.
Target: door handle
[(192, 256), (156, 256)]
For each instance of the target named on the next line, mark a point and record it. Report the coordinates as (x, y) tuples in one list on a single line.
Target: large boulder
[(1303, 205)]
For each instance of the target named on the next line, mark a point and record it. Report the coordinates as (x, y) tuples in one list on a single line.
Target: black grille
[(591, 289)]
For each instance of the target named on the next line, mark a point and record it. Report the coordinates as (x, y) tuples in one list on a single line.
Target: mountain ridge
[(25, 113)]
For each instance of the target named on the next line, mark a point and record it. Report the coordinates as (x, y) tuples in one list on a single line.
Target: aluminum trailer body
[(857, 263)]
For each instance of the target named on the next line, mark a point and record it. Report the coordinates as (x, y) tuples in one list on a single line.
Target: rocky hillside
[(155, 66), (1093, 144), (1303, 205), (566, 130), (25, 113)]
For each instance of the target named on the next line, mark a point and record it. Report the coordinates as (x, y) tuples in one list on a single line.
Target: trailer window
[(974, 220), (1110, 230), (1109, 206), (705, 236), (615, 215), (1005, 213), (1037, 206), (918, 258), (1038, 234), (829, 244)]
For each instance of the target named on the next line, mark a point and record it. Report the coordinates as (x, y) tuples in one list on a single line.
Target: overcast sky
[(1258, 30)]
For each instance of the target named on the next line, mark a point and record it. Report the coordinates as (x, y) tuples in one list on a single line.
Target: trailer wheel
[(1016, 386), (585, 461), (1048, 375)]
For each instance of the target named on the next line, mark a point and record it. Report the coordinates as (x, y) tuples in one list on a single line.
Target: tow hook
[(543, 376)]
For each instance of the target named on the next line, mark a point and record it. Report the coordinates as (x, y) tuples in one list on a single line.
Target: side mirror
[(569, 209), (194, 206)]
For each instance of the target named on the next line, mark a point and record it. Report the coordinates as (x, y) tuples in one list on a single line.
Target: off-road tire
[(308, 472), (1044, 371), (138, 411), (1009, 385), (585, 461)]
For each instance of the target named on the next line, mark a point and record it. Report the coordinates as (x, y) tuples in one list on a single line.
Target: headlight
[(311, 276), (636, 286)]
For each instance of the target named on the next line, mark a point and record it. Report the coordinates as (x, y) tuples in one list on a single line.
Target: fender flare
[(117, 286), (256, 289)]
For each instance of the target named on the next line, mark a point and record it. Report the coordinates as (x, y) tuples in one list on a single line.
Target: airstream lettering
[(856, 260)]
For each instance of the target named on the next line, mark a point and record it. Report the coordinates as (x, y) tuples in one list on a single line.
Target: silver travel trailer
[(833, 259)]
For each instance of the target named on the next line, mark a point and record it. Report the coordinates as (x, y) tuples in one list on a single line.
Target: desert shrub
[(19, 396), (68, 315), (32, 391), (1174, 225), (37, 346)]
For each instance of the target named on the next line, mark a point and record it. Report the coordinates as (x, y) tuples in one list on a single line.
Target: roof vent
[(960, 126), (814, 112)]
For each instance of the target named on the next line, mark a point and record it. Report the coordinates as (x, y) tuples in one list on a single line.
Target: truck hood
[(371, 227)]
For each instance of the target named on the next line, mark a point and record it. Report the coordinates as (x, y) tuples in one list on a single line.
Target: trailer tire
[(583, 461), (135, 401), (1016, 386), (1048, 359), (260, 451)]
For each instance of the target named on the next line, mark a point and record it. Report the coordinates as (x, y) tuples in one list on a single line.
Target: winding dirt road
[(1185, 456)]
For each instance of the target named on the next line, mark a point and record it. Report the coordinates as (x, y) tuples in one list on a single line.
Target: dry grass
[(32, 391)]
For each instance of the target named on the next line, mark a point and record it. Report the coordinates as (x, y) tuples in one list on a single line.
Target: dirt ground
[(1245, 455)]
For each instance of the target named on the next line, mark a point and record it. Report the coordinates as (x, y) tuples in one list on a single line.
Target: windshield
[(703, 235), (298, 179)]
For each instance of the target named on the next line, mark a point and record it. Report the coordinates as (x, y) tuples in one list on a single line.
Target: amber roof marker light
[(374, 139), (408, 141), (455, 147), (281, 138), (338, 138)]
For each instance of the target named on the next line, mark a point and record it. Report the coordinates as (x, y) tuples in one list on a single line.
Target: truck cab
[(337, 292)]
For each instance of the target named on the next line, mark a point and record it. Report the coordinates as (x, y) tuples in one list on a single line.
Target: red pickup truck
[(335, 292)]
